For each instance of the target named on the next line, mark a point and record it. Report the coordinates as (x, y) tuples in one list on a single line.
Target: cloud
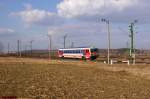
[(79, 8), (6, 31), (76, 29), (119, 11), (32, 16)]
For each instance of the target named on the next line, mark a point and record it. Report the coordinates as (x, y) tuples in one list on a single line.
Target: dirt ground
[(58, 79)]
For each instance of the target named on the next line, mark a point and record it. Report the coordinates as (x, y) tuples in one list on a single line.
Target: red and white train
[(80, 53)]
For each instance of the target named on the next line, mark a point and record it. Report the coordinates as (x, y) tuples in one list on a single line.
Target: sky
[(80, 20)]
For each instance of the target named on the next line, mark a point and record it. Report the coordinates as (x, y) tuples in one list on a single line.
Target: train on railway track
[(78, 53)]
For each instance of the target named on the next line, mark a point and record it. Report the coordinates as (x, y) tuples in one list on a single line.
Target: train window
[(87, 51), (79, 51), (76, 51), (94, 50)]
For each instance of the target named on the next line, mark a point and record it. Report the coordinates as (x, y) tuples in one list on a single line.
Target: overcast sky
[(28, 20)]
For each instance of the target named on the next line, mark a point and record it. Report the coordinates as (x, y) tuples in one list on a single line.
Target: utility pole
[(25, 47), (65, 36), (19, 47), (8, 48), (132, 36), (72, 44), (109, 39), (50, 46), (31, 42), (26, 50)]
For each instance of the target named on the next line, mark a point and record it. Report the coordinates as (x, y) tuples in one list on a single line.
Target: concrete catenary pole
[(109, 39), (50, 46), (132, 36), (31, 46), (72, 44), (18, 50), (8, 48), (19, 47), (65, 36)]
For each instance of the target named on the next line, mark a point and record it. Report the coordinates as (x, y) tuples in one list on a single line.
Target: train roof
[(80, 48)]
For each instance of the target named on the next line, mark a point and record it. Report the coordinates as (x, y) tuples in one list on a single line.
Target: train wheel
[(92, 57), (83, 58), (62, 57)]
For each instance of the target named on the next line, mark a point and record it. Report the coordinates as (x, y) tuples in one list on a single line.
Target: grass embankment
[(69, 80)]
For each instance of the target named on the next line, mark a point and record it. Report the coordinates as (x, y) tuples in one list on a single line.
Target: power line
[(123, 31)]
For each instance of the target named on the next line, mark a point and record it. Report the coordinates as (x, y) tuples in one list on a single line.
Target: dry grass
[(43, 79)]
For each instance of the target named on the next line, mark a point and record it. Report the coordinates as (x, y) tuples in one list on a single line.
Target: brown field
[(55, 79)]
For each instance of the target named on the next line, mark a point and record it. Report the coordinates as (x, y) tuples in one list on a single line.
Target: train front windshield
[(94, 50)]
